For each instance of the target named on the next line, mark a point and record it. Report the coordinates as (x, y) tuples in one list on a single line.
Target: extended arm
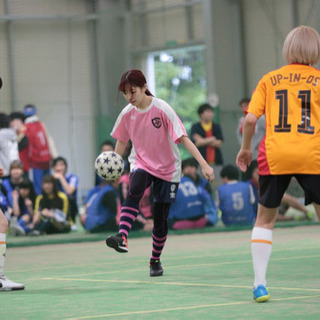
[(120, 147), (244, 156), (206, 169)]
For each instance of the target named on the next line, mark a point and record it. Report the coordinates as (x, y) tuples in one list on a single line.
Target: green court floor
[(207, 276)]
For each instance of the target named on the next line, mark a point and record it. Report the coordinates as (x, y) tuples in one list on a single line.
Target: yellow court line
[(177, 284), (184, 308)]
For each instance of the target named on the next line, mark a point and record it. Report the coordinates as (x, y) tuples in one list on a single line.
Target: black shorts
[(163, 191), (273, 187)]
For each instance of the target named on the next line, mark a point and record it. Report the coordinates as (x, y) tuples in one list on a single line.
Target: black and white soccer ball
[(109, 165)]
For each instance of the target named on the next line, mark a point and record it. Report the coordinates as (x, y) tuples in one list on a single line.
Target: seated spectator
[(17, 124), (8, 144), (286, 202), (235, 199), (51, 209), (101, 208), (22, 210), (188, 169), (13, 181), (67, 183), (194, 206), (4, 204)]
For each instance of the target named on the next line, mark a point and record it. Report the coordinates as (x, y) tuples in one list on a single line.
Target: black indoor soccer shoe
[(118, 243), (155, 268)]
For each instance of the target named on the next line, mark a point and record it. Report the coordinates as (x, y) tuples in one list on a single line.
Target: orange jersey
[(290, 99)]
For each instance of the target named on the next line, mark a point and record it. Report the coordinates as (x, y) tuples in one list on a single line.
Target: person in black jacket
[(208, 138)]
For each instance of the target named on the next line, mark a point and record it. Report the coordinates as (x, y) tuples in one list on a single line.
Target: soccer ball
[(109, 165)]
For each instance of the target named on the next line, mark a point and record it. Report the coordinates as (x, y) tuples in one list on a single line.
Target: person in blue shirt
[(12, 182), (101, 208), (3, 202), (23, 208), (67, 183), (235, 199), (194, 206)]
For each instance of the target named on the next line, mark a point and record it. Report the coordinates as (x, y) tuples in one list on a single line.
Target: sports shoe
[(156, 269), (16, 230), (311, 216), (8, 285), (74, 227), (34, 233), (261, 294), (118, 243)]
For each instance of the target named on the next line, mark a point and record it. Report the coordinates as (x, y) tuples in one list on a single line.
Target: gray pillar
[(11, 61), (209, 51)]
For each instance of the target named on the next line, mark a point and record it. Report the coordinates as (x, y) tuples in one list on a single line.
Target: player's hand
[(208, 173), (244, 159), (1, 172)]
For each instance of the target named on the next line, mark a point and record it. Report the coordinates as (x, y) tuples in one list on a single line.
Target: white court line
[(189, 266), (189, 284), (184, 308)]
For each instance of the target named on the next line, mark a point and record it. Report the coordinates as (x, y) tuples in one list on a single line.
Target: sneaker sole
[(112, 243), (262, 299), (158, 274), (12, 289)]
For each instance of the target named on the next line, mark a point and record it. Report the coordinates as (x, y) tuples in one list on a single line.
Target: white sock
[(261, 245), (2, 252)]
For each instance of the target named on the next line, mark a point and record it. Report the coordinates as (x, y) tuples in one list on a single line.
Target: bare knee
[(3, 223), (266, 217)]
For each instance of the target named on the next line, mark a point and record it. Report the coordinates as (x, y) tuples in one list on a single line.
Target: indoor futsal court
[(65, 58), (206, 276)]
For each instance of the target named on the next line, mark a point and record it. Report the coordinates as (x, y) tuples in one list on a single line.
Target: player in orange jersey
[(290, 99)]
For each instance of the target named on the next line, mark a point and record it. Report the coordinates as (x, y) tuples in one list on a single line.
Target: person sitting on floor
[(194, 206), (22, 210), (101, 208), (235, 199), (67, 183), (51, 209)]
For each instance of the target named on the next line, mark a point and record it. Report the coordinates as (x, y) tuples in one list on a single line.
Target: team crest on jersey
[(156, 122)]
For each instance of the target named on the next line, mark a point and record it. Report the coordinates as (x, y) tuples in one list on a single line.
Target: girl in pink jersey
[(154, 130)]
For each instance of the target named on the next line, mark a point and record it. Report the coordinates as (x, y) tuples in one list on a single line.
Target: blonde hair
[(302, 45)]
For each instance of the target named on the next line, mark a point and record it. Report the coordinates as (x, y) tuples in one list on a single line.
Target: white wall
[(52, 62)]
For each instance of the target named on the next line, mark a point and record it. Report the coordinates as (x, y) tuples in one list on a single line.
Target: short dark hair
[(205, 106), (16, 115), (230, 171), (244, 100), (26, 184), (190, 162), (107, 143), (58, 159), (16, 164)]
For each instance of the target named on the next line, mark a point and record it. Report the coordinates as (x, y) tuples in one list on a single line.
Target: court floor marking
[(168, 258), (190, 266), (184, 308), (195, 284)]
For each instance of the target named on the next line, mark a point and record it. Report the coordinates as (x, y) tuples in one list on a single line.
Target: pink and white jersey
[(155, 133)]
